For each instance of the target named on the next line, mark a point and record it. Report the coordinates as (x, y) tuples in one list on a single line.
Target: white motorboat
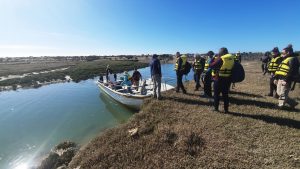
[(132, 98)]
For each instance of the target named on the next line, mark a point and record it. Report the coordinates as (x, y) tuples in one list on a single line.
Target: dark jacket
[(136, 75), (155, 67), (179, 65), (216, 65), (202, 62)]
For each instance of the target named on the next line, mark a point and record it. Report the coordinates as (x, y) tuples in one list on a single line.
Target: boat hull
[(132, 101)]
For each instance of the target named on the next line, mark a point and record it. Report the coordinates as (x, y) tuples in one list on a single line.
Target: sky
[(113, 27)]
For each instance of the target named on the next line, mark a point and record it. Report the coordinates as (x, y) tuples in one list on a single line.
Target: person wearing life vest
[(198, 67), (207, 75), (179, 68), (285, 74), (238, 57), (222, 77), (272, 67)]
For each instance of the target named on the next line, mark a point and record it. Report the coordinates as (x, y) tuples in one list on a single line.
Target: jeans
[(221, 85), (179, 82), (157, 85)]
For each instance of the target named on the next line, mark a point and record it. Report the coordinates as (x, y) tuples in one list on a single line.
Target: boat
[(133, 99)]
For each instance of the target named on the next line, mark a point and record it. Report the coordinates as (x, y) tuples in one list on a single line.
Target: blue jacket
[(155, 67)]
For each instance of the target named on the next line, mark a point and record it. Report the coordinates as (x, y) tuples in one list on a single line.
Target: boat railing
[(165, 81)]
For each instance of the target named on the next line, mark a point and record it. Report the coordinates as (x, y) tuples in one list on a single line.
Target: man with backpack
[(222, 67), (198, 67), (179, 68)]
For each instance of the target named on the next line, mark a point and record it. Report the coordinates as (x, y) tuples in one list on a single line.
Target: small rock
[(133, 132)]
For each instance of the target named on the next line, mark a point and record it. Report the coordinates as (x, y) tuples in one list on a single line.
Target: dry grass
[(21, 68), (182, 132)]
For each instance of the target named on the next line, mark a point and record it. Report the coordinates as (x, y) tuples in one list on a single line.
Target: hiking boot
[(276, 96), (196, 89), (159, 98), (293, 105), (270, 94), (184, 92)]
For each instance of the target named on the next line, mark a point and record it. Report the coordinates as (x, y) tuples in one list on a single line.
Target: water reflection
[(118, 111)]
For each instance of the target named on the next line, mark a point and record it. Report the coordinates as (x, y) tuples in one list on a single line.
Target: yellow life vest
[(228, 62), (176, 64), (273, 65), (236, 57), (206, 64), (197, 64), (184, 59), (284, 67)]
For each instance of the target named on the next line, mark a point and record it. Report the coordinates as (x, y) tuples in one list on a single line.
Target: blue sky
[(101, 27)]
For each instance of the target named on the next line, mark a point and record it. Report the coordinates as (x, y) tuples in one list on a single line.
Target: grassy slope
[(181, 131)]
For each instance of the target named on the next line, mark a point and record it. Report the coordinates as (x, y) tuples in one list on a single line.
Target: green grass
[(182, 131), (78, 72)]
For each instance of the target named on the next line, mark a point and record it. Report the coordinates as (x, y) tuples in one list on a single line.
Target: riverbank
[(182, 131), (77, 72)]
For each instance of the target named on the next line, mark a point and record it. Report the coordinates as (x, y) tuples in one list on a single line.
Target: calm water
[(32, 121)]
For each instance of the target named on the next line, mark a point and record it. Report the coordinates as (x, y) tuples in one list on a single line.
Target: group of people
[(134, 80), (215, 68), (125, 80), (283, 68)]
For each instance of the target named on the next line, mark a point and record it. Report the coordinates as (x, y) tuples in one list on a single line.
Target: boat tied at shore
[(132, 96)]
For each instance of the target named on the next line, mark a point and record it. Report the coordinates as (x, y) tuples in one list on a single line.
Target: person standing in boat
[(156, 75), (108, 72), (127, 81), (136, 76)]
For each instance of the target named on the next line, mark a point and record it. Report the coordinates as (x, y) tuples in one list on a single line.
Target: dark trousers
[(273, 87), (207, 84), (221, 85), (264, 68), (179, 82), (197, 75)]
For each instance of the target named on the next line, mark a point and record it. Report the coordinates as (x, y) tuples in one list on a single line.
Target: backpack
[(187, 68), (238, 73), (265, 59)]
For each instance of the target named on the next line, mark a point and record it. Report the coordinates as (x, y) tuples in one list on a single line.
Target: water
[(32, 121)]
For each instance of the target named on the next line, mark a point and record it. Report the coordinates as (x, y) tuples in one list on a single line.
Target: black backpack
[(187, 68), (265, 59), (238, 73)]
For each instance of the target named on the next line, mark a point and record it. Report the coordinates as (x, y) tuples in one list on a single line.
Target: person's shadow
[(270, 119)]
